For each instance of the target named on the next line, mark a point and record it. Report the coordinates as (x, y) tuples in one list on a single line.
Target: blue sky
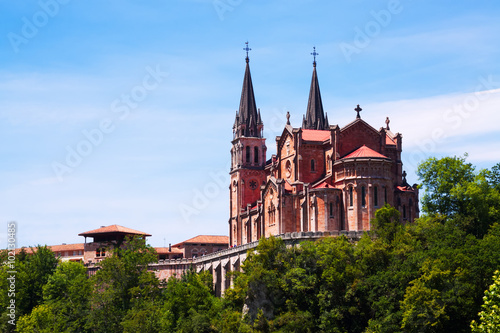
[(145, 95)]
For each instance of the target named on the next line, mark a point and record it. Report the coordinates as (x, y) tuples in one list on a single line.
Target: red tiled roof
[(66, 247), (206, 239), (113, 229), (54, 248), (315, 135), (324, 185), (28, 250), (288, 187), (364, 151), (405, 188), (164, 250), (389, 141)]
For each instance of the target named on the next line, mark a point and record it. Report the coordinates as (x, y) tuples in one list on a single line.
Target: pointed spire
[(315, 117), (236, 121), (248, 117), (327, 125)]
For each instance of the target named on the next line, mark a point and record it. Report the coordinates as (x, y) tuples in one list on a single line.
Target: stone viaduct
[(222, 262)]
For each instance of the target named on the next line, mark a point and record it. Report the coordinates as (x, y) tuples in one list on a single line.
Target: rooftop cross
[(247, 49), (314, 54), (358, 109)]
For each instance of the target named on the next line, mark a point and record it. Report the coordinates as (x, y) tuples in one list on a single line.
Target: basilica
[(323, 177)]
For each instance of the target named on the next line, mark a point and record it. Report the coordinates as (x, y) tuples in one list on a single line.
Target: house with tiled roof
[(104, 239), (202, 245), (65, 252), (323, 177)]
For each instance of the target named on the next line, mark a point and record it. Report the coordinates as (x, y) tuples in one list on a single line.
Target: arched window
[(351, 199), (328, 162), (288, 169), (271, 210), (375, 196), (256, 155), (331, 209), (363, 196), (313, 165), (404, 212), (410, 205), (247, 150), (385, 195)]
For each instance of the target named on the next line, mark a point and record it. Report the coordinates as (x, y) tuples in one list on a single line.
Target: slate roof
[(247, 113), (315, 116)]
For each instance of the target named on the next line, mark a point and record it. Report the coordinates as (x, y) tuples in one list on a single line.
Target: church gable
[(357, 134), (286, 155)]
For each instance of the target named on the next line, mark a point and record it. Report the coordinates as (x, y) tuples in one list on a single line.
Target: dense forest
[(434, 275)]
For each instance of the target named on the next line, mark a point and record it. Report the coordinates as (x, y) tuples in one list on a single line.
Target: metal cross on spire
[(246, 48), (314, 54)]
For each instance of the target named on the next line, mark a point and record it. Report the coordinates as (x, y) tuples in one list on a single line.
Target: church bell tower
[(248, 158)]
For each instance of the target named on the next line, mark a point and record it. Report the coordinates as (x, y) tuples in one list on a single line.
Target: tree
[(489, 317), (439, 177), (190, 305), (453, 189), (33, 272), (65, 302), (386, 222), (121, 278)]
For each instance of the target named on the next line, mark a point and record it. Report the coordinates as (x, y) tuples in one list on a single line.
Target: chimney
[(169, 247)]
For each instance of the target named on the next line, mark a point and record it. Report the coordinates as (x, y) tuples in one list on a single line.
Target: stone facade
[(322, 178)]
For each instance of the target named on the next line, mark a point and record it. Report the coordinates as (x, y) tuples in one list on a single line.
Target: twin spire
[(248, 121), (315, 117)]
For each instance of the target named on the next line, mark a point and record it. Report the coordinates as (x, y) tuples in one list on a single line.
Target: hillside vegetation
[(427, 276)]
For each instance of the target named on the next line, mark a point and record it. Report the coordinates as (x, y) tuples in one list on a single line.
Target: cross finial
[(247, 49), (358, 109), (314, 54)]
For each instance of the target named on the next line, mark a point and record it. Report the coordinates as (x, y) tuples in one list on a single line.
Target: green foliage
[(190, 303), (489, 317), (33, 274), (122, 278), (439, 178), (33, 271), (65, 302), (386, 222), (426, 276), (453, 189), (42, 319)]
